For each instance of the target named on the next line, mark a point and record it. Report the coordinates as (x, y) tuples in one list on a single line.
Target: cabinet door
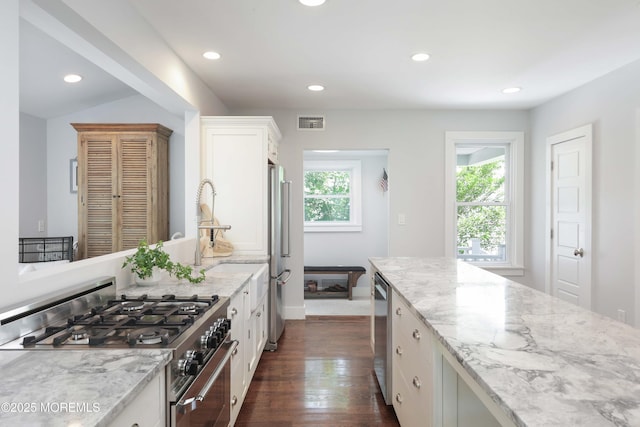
[(134, 214), (238, 307), (96, 202), (236, 161)]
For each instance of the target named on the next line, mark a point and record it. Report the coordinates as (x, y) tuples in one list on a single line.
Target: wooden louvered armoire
[(123, 186)]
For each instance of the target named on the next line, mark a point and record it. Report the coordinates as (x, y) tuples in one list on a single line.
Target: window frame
[(514, 193), (354, 167)]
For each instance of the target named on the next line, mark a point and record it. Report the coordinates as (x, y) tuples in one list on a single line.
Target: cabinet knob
[(234, 400), (234, 311), (399, 351), (398, 311), (398, 398), (235, 351), (416, 334), (416, 382)]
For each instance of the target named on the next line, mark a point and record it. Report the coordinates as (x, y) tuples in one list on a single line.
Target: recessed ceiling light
[(315, 88), (72, 78), (420, 57), (512, 90), (211, 55), (312, 2)]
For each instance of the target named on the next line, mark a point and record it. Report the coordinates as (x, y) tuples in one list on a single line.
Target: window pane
[(326, 209), (327, 183), (480, 173), (482, 233)]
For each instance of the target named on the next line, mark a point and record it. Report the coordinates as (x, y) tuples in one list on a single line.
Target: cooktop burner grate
[(135, 321)]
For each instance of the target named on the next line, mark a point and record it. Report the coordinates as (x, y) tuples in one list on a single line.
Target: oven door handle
[(191, 403)]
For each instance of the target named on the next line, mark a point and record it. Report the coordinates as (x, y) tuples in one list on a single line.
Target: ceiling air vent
[(310, 122)]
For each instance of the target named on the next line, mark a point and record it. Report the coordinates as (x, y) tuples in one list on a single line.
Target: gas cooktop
[(138, 321)]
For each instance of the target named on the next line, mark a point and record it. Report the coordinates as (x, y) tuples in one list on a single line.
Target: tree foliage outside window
[(481, 206), (327, 196)]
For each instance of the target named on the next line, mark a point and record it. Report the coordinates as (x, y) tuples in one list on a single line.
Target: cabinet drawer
[(411, 401), (411, 334)]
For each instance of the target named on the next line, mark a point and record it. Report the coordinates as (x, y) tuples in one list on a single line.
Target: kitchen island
[(532, 359)]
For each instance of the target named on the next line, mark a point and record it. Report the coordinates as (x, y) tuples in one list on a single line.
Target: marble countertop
[(544, 362), (100, 383), (223, 284), (74, 387)]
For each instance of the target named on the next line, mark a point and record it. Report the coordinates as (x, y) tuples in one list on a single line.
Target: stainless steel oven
[(207, 400), (194, 328)]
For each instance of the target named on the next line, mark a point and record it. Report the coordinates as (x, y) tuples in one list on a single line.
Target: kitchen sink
[(259, 278)]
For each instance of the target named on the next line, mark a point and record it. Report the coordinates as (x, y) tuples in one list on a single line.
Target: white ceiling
[(360, 51)]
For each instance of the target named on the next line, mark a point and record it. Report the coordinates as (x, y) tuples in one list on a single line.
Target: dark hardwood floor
[(321, 375)]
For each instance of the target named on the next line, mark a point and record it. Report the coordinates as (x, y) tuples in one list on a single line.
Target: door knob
[(579, 252)]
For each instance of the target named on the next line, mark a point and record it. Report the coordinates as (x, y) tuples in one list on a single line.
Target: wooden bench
[(353, 274)]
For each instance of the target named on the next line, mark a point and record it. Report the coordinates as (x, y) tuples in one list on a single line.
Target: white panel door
[(570, 216)]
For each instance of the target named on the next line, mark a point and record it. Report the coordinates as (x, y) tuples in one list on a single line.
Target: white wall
[(610, 103), (415, 140), (354, 248), (33, 175), (9, 151)]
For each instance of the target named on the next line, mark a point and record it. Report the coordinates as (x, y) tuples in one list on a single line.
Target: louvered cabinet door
[(134, 217), (96, 191)]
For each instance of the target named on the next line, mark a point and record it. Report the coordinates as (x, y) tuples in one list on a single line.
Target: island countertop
[(543, 361)]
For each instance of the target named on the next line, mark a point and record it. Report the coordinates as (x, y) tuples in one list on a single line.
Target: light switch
[(41, 225), (402, 220)]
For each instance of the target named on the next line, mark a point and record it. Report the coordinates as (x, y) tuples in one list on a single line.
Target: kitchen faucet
[(200, 222)]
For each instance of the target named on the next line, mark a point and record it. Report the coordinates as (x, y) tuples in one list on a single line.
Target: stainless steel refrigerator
[(279, 244)]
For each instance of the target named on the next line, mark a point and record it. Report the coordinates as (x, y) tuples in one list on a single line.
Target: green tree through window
[(481, 206), (327, 196)]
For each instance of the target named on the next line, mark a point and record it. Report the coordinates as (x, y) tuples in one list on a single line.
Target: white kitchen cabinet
[(258, 334), (236, 153), (249, 327), (412, 367), (239, 312), (148, 408)]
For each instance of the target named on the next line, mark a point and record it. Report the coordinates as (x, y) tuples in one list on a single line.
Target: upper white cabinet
[(236, 152)]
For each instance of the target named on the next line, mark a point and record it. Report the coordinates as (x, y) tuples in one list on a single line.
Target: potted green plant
[(147, 262)]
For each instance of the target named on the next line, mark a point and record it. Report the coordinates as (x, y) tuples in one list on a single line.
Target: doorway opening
[(346, 209)]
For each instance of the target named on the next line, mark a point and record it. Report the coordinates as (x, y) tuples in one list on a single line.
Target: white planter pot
[(149, 281)]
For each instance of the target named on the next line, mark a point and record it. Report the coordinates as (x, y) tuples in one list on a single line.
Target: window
[(483, 199), (332, 195)]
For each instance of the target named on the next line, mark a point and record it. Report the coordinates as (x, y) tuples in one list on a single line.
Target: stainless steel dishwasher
[(382, 336)]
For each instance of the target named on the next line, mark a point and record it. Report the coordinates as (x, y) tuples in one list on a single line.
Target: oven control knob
[(198, 357), (187, 367), (216, 332), (191, 367), (209, 341)]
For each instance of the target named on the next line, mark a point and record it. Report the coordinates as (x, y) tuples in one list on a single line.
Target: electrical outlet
[(402, 220), (622, 315)]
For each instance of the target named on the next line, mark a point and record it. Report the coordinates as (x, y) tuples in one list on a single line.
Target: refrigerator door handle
[(279, 280), (286, 226)]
